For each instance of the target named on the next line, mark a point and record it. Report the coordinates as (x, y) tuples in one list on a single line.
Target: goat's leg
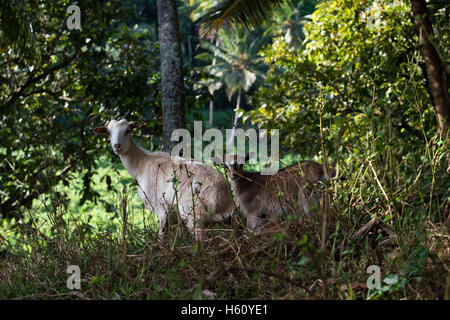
[(162, 227), (196, 228), (303, 206), (252, 222)]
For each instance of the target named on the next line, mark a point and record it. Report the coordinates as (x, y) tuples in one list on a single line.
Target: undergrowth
[(386, 209)]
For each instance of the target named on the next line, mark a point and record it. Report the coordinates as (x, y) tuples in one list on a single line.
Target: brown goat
[(267, 196)]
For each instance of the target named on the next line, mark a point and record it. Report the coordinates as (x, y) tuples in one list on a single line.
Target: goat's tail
[(329, 174), (332, 174)]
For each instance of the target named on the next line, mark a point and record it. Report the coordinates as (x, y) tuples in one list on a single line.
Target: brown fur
[(266, 196)]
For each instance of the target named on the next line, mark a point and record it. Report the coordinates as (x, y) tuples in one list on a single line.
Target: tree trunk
[(189, 49), (238, 102), (211, 112), (434, 66), (211, 102), (171, 70)]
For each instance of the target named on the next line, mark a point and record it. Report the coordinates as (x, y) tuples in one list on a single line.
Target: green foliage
[(288, 21), (250, 13), (346, 85), (50, 106), (238, 64), (108, 181), (360, 62), (356, 93), (16, 31)]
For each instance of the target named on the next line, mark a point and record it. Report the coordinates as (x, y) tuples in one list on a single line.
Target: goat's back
[(204, 185), (290, 187)]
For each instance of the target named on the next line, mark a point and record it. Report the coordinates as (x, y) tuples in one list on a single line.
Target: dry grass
[(377, 216), (282, 262)]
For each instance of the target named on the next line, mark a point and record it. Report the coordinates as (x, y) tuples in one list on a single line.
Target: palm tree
[(288, 21), (200, 8), (250, 13), (237, 64), (212, 88)]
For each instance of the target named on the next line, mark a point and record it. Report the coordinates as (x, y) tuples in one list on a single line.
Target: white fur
[(165, 184)]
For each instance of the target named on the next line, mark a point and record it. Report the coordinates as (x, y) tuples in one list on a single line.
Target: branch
[(33, 79)]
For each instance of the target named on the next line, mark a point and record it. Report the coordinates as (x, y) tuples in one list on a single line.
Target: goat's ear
[(217, 161), (235, 166), (101, 130), (134, 125)]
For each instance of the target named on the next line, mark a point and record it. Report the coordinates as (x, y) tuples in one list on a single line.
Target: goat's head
[(234, 164), (119, 133)]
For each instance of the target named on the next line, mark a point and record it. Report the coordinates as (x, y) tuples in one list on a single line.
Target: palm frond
[(250, 13), (225, 56)]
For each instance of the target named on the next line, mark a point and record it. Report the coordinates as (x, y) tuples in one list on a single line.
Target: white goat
[(165, 183)]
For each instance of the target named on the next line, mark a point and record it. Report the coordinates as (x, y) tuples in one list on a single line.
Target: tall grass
[(385, 208)]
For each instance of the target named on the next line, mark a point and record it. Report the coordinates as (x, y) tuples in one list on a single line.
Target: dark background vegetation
[(349, 82)]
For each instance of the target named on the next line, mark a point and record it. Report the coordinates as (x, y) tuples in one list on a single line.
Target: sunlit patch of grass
[(102, 213)]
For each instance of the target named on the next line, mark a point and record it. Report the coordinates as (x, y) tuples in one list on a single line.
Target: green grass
[(105, 211), (381, 214)]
